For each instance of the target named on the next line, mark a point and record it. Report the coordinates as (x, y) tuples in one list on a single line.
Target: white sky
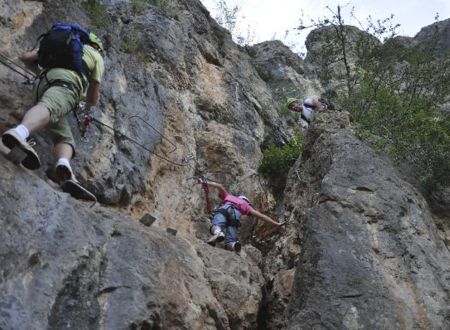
[(270, 19)]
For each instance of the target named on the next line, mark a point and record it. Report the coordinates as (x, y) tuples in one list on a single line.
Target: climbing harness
[(19, 69), (84, 122), (228, 210)]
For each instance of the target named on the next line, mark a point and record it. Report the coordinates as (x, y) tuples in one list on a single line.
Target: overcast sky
[(270, 19)]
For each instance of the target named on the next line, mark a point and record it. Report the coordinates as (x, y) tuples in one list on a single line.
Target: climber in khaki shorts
[(58, 101), (57, 91)]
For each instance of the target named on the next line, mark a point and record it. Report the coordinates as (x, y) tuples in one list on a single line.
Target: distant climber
[(227, 217), (308, 109), (69, 63)]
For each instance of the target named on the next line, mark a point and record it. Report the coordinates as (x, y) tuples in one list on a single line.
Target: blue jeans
[(231, 232)]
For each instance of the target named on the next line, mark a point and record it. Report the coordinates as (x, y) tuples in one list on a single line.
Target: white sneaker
[(11, 139), (217, 237), (64, 171), (235, 246)]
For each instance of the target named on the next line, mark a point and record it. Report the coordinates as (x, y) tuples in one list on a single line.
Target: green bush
[(277, 162), (413, 133)]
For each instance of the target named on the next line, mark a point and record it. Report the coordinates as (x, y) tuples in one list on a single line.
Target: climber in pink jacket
[(227, 217)]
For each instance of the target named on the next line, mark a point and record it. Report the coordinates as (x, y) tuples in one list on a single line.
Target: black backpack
[(62, 47)]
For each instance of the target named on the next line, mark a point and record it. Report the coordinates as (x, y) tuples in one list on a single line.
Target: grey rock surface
[(427, 36), (371, 256), (65, 265)]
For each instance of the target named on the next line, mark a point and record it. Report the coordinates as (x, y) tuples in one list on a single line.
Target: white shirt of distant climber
[(308, 113)]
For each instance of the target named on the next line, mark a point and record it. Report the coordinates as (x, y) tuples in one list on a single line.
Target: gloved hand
[(86, 121), (82, 107)]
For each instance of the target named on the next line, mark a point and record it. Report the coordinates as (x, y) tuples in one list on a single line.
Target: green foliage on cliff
[(394, 90), (398, 96), (278, 160), (412, 132)]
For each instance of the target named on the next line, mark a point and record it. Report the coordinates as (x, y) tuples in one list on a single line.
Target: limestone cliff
[(360, 248)]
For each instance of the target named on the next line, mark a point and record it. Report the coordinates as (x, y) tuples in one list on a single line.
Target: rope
[(85, 122), (205, 186), (120, 134), (13, 66), (206, 191), (160, 134)]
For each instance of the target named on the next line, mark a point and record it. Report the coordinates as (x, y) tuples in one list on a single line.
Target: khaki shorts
[(59, 101)]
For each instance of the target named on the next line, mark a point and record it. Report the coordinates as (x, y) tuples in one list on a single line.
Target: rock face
[(427, 36), (360, 248), (368, 245), (323, 59), (66, 265), (282, 70)]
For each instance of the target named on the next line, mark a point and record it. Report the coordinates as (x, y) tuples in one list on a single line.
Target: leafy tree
[(229, 17), (394, 90)]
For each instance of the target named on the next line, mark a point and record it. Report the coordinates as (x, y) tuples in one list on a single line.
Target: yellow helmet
[(291, 100), (93, 39)]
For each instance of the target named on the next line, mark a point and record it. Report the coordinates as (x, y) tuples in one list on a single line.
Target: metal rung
[(147, 220), (171, 231)]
